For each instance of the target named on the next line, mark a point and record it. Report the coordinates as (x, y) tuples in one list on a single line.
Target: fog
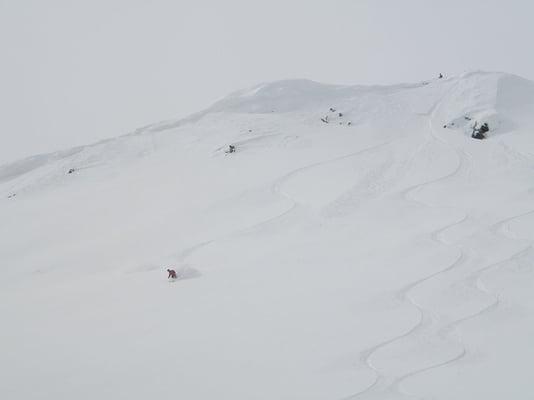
[(74, 72)]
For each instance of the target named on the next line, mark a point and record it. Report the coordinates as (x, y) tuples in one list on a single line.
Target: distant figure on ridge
[(440, 76), (172, 274)]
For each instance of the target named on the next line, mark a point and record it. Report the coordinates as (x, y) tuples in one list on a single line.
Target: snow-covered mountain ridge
[(494, 97), (357, 244)]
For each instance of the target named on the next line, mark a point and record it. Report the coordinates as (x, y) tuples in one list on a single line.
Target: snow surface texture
[(388, 258)]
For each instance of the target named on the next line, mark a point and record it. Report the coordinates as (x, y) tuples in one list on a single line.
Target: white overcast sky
[(73, 71)]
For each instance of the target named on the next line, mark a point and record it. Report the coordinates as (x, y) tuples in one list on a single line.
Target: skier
[(172, 274)]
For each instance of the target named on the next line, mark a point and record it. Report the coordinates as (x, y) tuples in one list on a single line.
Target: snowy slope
[(388, 258)]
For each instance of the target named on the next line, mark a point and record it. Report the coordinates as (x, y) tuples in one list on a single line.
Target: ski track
[(402, 295), (474, 281), (425, 318), (464, 162), (276, 188)]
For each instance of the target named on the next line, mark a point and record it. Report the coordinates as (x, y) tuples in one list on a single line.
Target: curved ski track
[(276, 189), (380, 385)]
